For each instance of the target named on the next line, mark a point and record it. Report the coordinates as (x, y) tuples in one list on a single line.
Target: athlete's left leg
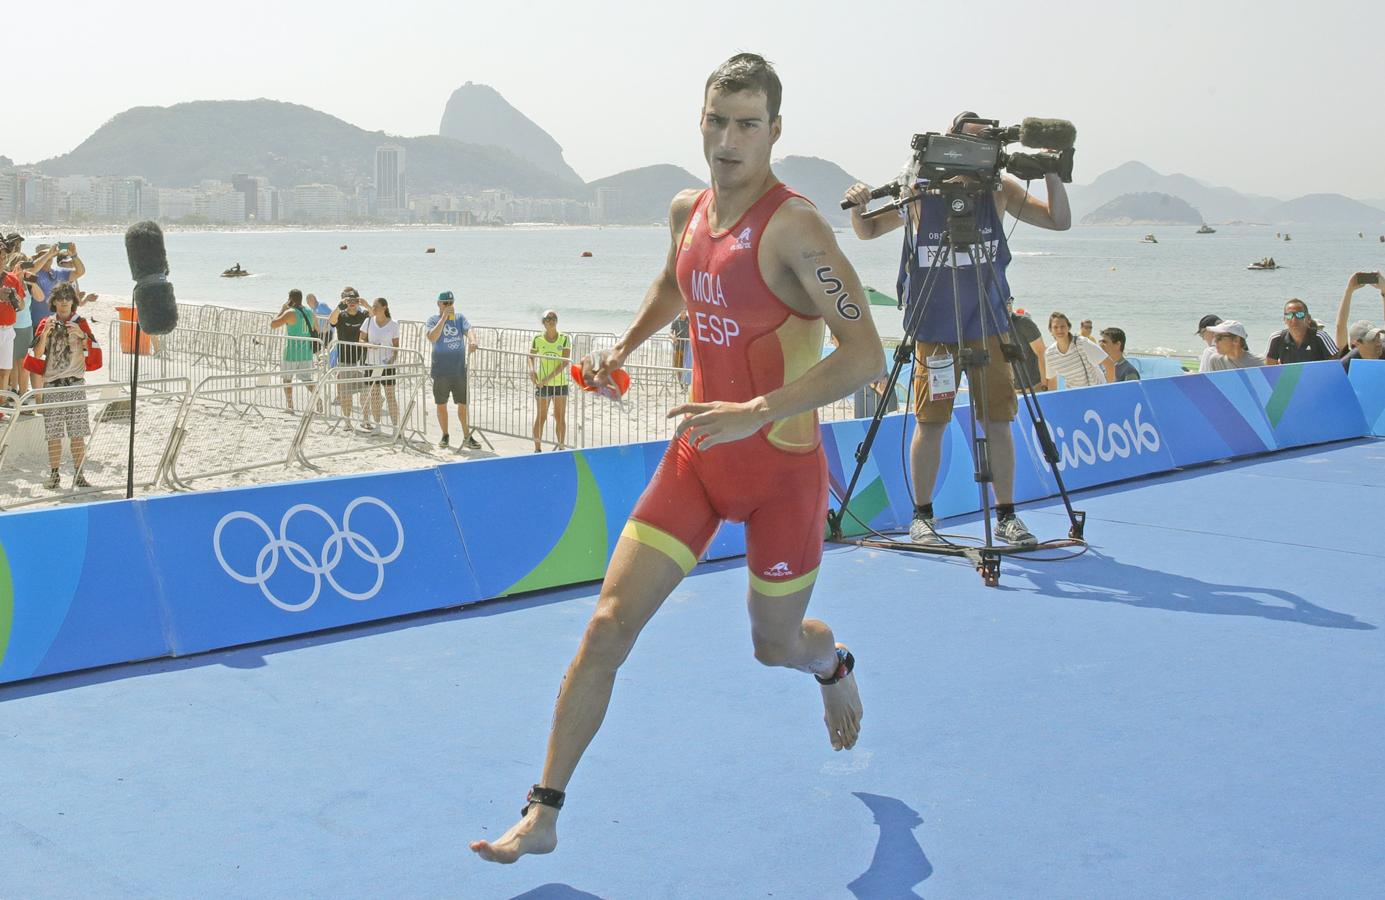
[(783, 540), (783, 637)]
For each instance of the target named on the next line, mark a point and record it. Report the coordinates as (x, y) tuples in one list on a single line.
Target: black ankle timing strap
[(543, 796), (845, 664)]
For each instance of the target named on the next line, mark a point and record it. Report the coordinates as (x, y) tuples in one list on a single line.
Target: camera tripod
[(962, 238)]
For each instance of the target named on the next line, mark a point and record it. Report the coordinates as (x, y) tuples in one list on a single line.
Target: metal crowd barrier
[(183, 353), (350, 355), (329, 433), (103, 411), (239, 422), (500, 397)]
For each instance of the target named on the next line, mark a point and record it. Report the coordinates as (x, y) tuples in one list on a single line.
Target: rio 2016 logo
[(1108, 441), (321, 565)]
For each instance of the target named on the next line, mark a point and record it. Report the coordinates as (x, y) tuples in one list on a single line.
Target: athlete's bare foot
[(842, 712), (537, 832)]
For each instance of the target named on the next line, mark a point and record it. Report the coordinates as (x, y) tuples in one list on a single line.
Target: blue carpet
[(1191, 709)]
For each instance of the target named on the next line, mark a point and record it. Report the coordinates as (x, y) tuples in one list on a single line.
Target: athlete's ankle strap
[(544, 797), (845, 664)]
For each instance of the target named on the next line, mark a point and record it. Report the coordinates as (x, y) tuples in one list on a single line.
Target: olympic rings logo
[(321, 566)]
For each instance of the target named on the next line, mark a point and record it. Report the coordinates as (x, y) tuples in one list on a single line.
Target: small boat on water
[(431, 250), (235, 272), (1264, 265), (1149, 239), (1288, 237), (586, 254), (343, 246), (1206, 229)]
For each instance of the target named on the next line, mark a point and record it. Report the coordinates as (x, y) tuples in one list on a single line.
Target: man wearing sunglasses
[(1301, 341)]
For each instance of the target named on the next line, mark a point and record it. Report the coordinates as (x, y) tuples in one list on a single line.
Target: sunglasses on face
[(1296, 314)]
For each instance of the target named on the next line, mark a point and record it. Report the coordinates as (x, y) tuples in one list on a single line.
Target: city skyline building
[(391, 193)]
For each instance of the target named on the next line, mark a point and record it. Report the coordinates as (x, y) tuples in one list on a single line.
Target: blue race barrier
[(103, 583), (1368, 383), (77, 590), (251, 564)]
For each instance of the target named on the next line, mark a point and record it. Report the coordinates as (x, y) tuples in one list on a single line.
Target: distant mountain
[(477, 114), (1326, 209), (1217, 204), (1144, 209), (179, 146), (819, 180), (641, 196)]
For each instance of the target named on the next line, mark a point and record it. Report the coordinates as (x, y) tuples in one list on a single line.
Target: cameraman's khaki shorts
[(997, 404)]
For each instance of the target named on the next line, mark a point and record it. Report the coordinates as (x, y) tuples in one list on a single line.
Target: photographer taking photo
[(936, 330)]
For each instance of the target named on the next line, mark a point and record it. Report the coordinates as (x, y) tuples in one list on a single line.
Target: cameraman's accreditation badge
[(942, 379)]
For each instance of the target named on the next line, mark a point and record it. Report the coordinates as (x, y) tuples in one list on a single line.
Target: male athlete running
[(760, 273)]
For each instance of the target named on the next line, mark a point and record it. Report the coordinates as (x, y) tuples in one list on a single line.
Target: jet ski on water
[(1149, 239), (1206, 229), (235, 272), (1265, 264)]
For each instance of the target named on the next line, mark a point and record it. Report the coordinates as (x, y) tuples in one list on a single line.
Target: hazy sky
[(1268, 97)]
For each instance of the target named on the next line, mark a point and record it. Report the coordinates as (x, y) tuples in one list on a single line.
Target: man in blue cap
[(450, 334)]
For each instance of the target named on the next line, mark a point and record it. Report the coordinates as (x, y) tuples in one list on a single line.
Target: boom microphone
[(155, 304), (1048, 134), (889, 190)]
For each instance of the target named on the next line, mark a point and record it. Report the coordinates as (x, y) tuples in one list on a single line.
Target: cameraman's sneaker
[(471, 443), (1012, 531), (53, 480), (925, 531), (81, 481)]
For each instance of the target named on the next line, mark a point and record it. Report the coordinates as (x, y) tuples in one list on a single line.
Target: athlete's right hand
[(858, 194), (597, 367)]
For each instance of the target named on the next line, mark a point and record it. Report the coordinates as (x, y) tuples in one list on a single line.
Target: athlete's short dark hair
[(748, 72)]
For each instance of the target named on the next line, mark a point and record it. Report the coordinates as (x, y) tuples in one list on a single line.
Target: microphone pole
[(134, 397)]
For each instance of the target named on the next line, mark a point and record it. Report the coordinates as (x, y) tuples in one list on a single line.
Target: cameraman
[(936, 332)]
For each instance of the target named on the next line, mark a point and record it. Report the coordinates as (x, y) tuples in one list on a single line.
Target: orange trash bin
[(128, 317)]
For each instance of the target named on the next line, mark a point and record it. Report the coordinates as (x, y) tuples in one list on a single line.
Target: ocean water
[(508, 276)]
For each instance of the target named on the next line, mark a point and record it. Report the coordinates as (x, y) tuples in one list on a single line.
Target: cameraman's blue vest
[(937, 320)]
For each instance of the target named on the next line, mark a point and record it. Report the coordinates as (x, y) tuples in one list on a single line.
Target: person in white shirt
[(382, 334), (1233, 351), (1079, 361)]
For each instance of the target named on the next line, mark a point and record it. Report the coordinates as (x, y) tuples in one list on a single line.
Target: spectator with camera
[(64, 340), (1233, 350), (47, 275), (1301, 340), (348, 320), (936, 331), (1079, 361), (1349, 339), (450, 334)]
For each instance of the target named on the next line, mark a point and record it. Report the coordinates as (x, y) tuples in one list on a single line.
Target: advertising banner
[(246, 565), (77, 590), (1368, 383), (1103, 435)]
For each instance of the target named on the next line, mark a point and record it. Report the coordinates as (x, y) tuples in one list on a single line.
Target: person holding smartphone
[(450, 334), (1356, 282), (48, 276)]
